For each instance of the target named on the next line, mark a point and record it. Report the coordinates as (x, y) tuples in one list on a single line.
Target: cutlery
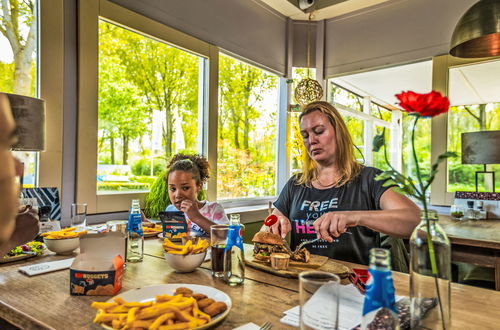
[(266, 326), (301, 245)]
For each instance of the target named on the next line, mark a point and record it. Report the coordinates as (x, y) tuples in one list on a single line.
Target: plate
[(149, 293), (152, 234), (16, 258)]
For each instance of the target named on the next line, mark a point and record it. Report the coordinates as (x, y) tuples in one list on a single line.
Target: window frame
[(441, 66), (89, 13)]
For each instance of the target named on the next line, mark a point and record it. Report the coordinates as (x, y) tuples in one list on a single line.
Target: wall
[(248, 28), (396, 32)]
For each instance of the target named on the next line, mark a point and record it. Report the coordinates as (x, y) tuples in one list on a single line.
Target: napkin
[(46, 267), (248, 326)]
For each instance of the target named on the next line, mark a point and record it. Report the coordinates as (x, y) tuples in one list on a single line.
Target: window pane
[(18, 69), (379, 158), (148, 107), (248, 109), (355, 127), (340, 95), (422, 145), (471, 118)]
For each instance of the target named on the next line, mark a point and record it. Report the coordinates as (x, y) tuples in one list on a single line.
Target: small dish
[(280, 261), (62, 246)]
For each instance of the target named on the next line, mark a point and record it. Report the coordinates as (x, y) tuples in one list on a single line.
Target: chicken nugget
[(184, 291), (205, 302), (215, 308), (199, 296)]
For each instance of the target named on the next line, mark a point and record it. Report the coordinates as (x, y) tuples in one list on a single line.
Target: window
[(475, 107), (149, 105), (19, 64), (470, 118), (365, 120), (247, 130)]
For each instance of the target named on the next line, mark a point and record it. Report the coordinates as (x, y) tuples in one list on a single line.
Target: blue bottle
[(379, 308), (234, 262), (135, 236)]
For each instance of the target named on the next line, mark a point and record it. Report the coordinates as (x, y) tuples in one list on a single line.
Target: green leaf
[(378, 141)]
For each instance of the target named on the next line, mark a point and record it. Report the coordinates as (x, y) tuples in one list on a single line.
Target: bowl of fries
[(187, 257), (63, 241)]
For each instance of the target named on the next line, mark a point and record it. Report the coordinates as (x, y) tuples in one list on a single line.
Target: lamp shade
[(477, 33), (29, 115), (481, 147)]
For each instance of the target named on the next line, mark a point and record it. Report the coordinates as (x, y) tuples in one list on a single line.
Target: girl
[(185, 178)]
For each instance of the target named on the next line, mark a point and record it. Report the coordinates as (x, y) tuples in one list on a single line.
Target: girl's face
[(318, 135), (181, 186)]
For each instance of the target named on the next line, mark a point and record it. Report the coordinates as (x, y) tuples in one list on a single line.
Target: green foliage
[(121, 186), (143, 167), (157, 199)]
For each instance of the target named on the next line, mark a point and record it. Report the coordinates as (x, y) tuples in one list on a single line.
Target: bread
[(267, 238)]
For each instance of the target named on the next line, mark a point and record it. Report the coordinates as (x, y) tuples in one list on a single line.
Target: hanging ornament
[(308, 90)]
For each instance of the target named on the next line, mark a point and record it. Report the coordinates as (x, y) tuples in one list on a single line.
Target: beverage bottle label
[(234, 237), (379, 292)]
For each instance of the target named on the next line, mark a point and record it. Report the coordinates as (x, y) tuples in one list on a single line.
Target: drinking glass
[(79, 216), (457, 212), (218, 239), (319, 300)]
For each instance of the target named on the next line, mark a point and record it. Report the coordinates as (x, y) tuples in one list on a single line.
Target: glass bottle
[(470, 213), (481, 212), (379, 307), (429, 292), (135, 237), (234, 257)]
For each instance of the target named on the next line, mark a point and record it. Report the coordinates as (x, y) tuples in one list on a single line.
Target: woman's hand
[(334, 224)]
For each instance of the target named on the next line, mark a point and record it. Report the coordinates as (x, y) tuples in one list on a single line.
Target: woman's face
[(318, 135), (181, 186)]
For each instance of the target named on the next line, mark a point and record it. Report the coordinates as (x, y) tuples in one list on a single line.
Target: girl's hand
[(190, 208), (334, 224)]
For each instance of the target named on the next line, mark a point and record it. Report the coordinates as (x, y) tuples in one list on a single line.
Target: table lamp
[(481, 148), (29, 115)]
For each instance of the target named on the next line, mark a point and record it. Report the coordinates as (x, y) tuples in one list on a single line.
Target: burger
[(266, 243)]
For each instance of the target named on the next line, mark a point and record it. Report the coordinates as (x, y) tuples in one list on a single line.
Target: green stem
[(432, 253)]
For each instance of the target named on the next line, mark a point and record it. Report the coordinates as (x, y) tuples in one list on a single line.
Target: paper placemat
[(46, 267)]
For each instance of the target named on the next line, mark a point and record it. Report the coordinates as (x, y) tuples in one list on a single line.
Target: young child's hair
[(196, 164)]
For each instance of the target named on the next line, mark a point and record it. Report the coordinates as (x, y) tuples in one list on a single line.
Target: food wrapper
[(173, 223), (98, 269)]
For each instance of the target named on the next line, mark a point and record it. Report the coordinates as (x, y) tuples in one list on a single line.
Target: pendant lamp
[(477, 33), (308, 90)]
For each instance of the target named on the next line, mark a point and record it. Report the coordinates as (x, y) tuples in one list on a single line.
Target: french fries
[(64, 233), (155, 229), (188, 248), (179, 235), (166, 312)]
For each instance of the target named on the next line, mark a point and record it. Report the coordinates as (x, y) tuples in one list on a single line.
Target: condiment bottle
[(234, 257), (481, 212), (379, 308), (470, 213), (135, 237)]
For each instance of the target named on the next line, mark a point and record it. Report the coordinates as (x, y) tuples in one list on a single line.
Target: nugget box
[(98, 269)]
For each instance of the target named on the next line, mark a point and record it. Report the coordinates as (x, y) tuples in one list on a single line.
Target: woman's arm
[(398, 217)]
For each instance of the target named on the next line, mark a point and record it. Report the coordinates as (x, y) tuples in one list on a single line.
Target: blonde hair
[(348, 166)]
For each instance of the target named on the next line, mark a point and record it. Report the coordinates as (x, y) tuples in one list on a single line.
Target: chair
[(46, 196)]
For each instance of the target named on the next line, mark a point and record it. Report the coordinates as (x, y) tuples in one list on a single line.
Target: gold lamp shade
[(477, 33)]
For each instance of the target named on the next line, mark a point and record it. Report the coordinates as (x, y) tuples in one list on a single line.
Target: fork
[(301, 245), (266, 326)]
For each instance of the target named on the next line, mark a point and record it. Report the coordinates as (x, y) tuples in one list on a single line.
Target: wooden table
[(43, 301), (475, 242)]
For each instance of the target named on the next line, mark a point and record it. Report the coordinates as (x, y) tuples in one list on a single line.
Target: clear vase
[(429, 293)]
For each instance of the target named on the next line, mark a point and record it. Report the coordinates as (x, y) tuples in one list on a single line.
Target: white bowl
[(185, 263), (62, 246)]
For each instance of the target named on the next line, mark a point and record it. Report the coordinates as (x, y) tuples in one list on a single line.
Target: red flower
[(426, 105)]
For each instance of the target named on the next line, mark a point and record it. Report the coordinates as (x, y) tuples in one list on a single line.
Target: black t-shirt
[(303, 205)]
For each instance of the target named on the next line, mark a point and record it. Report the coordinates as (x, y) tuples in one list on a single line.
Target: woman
[(335, 194), (185, 178), (16, 227)]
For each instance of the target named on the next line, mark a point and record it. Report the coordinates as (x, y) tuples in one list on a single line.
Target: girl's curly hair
[(196, 164)]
